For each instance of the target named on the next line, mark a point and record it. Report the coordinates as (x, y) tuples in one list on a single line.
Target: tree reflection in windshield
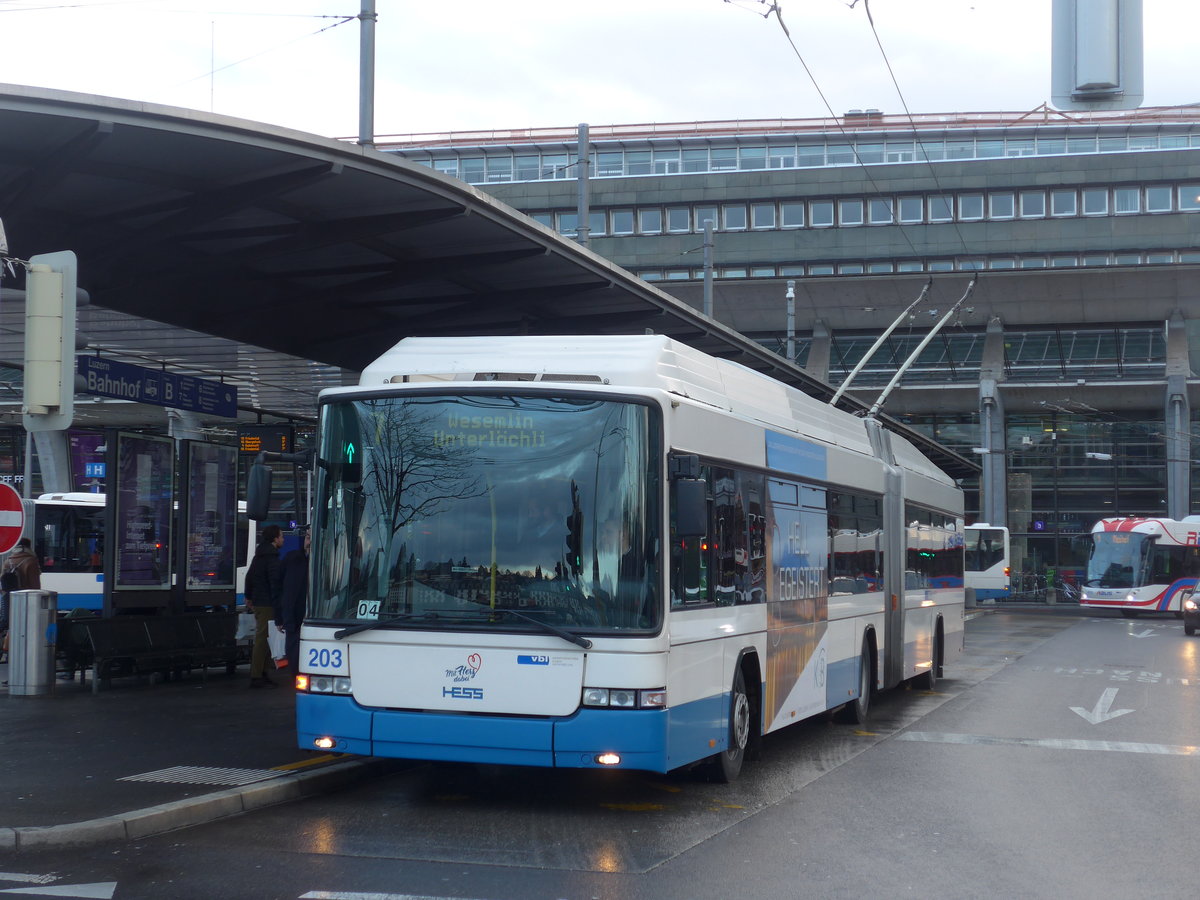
[(545, 505)]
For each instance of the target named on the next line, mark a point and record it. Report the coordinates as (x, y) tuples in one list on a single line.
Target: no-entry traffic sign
[(12, 517)]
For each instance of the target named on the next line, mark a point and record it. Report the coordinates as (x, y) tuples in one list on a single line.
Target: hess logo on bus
[(458, 692)]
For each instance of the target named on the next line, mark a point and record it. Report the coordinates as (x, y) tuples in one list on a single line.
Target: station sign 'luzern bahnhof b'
[(123, 381)]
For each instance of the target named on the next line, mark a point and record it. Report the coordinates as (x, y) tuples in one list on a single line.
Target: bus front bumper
[(638, 738)]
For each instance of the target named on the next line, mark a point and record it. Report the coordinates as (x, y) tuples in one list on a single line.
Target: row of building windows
[(955, 264), (914, 209), (784, 154)]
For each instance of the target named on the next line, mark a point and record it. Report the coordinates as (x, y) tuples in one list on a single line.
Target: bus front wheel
[(928, 680), (726, 765), (855, 712)]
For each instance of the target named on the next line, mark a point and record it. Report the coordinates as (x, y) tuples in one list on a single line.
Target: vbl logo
[(463, 693)]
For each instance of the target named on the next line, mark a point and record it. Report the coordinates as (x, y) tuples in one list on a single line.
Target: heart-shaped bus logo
[(475, 661)]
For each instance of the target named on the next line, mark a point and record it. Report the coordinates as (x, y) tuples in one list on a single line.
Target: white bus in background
[(610, 552), (1141, 565), (67, 531), (988, 566)]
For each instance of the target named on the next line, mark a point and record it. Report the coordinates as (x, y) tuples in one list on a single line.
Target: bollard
[(969, 598), (32, 636)]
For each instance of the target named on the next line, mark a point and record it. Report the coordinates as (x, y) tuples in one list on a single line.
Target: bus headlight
[(326, 684), (625, 698)]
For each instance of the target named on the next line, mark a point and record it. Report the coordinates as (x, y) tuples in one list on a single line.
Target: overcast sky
[(447, 65)]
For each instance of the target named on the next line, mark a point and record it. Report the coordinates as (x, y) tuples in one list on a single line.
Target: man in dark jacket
[(289, 615), (262, 599)]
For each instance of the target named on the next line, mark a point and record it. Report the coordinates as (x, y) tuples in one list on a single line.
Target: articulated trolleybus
[(1142, 565), (610, 552)]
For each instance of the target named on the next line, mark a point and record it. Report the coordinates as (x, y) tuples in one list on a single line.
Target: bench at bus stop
[(147, 645)]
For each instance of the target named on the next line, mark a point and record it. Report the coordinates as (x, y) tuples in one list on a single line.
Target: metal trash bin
[(32, 635)]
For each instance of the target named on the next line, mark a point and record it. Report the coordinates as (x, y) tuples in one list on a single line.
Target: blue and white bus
[(610, 552), (67, 531), (988, 568)]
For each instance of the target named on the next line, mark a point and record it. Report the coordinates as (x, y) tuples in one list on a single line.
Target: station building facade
[(1075, 238)]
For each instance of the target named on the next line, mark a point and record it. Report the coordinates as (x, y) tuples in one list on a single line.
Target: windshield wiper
[(547, 627), (379, 623), (466, 615)]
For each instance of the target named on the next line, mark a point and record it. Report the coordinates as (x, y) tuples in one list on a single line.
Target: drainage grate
[(204, 775)]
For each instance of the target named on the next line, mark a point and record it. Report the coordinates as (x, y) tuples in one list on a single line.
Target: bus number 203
[(324, 658)]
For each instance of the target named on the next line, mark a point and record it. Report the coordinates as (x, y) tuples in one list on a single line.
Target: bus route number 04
[(368, 609)]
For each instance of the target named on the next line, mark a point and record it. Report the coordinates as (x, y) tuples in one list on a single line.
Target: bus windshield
[(1118, 559), (439, 511), (984, 548)]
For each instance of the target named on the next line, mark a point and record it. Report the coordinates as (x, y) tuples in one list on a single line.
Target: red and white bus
[(1141, 565)]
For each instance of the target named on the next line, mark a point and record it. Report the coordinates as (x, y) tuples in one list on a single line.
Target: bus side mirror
[(258, 492), (691, 507)]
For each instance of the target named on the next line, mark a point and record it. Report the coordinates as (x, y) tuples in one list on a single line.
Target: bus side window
[(690, 563), (1161, 569), (729, 543)]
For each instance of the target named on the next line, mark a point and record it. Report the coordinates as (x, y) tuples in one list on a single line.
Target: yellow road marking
[(305, 763)]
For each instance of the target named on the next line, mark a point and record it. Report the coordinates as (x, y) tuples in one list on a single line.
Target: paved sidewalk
[(141, 758)]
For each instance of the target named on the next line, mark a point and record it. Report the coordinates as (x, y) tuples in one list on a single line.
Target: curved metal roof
[(307, 246)]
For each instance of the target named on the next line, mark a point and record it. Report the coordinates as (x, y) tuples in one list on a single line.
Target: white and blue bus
[(987, 567), (67, 532), (610, 552)]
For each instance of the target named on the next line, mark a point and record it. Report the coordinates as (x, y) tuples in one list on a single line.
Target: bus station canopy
[(201, 238)]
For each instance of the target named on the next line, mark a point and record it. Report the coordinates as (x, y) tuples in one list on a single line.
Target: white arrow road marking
[(28, 879), (101, 890), (1146, 633), (1100, 712)]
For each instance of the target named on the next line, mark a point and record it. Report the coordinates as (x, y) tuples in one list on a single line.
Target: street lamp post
[(791, 320)]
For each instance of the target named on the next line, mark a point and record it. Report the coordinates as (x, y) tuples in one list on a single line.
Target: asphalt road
[(1057, 758)]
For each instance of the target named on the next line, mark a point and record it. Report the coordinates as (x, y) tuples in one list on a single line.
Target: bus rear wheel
[(726, 765)]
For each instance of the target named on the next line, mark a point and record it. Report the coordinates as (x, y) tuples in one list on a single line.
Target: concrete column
[(817, 364), (54, 459)]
